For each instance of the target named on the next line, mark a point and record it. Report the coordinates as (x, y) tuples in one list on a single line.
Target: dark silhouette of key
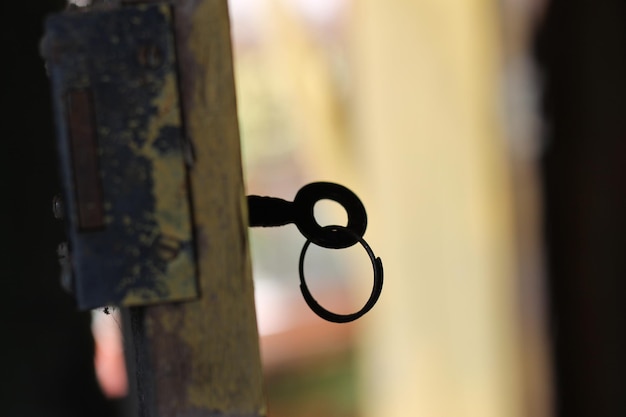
[(271, 211)]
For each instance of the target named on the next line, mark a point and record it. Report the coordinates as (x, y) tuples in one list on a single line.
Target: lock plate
[(121, 153)]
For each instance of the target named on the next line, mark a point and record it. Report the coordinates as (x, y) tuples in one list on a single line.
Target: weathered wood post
[(201, 358)]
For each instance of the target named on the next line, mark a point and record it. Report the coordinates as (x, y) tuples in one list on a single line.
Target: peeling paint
[(132, 78)]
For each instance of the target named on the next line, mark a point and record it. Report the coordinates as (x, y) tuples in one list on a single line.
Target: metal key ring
[(377, 265), (305, 219)]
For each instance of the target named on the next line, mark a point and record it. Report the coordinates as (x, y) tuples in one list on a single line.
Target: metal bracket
[(122, 155)]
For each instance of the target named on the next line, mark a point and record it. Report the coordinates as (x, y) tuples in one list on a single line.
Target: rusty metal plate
[(120, 145)]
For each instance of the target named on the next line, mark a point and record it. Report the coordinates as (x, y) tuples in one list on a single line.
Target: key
[(377, 288), (271, 211)]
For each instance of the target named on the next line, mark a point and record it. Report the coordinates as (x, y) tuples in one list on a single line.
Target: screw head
[(167, 247), (58, 208)]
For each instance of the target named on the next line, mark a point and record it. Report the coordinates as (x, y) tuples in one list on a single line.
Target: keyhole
[(329, 212)]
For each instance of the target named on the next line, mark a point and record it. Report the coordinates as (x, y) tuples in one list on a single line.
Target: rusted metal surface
[(120, 142)]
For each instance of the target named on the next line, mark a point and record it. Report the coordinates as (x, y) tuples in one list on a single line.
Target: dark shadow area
[(47, 347), (582, 54)]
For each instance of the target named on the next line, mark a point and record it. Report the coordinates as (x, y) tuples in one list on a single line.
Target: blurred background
[(427, 110), (486, 140)]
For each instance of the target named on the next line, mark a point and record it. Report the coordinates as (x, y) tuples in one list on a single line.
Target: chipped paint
[(204, 354), (132, 78)]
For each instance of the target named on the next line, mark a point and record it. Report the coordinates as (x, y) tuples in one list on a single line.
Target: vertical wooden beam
[(201, 358)]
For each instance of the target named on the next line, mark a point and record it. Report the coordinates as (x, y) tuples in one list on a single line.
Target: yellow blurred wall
[(444, 339)]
